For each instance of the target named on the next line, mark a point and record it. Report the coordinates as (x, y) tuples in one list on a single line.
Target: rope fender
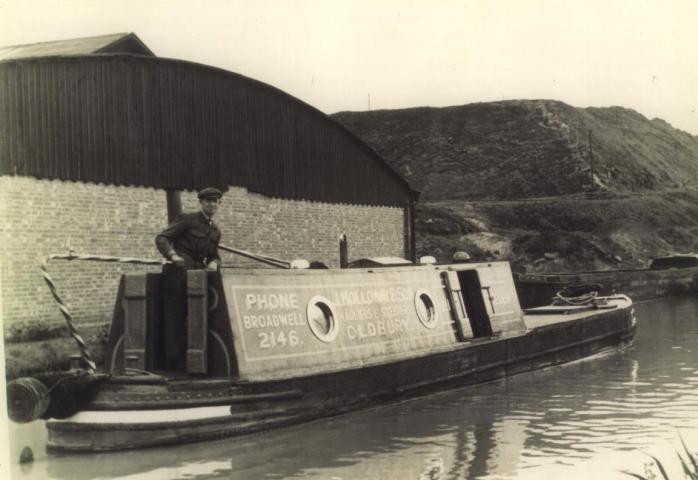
[(84, 351)]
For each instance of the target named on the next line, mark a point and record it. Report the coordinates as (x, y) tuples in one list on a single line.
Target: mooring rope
[(84, 351)]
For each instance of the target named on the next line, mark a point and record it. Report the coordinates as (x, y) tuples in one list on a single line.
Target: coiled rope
[(585, 299), (580, 295), (84, 351)]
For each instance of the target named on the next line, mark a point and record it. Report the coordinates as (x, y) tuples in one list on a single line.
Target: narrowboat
[(269, 348), (666, 276)]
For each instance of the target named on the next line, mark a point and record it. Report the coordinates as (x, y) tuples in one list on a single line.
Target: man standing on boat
[(189, 242)]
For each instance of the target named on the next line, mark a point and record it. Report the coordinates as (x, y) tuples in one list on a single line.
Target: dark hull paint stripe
[(245, 422)]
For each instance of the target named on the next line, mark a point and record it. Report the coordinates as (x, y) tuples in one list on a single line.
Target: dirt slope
[(513, 180)]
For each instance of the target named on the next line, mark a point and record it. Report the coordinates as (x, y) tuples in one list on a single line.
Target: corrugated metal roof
[(113, 43), (139, 120)]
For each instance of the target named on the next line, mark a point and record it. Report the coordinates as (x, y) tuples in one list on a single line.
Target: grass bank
[(565, 233), (36, 348)]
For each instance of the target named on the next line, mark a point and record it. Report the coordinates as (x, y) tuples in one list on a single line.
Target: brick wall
[(41, 217)]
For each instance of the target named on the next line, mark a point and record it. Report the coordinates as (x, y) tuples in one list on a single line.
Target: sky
[(385, 54)]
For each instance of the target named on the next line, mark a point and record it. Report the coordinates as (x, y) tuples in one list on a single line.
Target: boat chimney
[(343, 251)]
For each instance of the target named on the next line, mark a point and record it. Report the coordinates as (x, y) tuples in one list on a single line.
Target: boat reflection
[(467, 433)]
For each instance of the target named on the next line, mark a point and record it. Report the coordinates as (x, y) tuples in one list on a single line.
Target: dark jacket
[(193, 237)]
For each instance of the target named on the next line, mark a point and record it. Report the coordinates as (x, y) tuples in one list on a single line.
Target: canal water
[(590, 419)]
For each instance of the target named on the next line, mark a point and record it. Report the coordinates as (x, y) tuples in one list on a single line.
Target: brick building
[(96, 133)]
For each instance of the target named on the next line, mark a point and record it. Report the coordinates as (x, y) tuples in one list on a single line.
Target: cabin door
[(475, 303)]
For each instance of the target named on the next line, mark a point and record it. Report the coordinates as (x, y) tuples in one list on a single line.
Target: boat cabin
[(675, 261), (264, 324)]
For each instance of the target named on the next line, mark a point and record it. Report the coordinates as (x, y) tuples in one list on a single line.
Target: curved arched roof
[(132, 119)]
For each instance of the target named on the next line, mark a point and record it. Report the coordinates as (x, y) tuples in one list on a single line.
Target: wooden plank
[(197, 320), (455, 298), (135, 333)]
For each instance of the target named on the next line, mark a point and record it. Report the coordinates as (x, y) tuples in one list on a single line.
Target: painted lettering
[(364, 297), (272, 321), (269, 340), (371, 329), (271, 301), (377, 329)]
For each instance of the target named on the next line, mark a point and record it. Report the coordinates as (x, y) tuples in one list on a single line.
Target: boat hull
[(644, 284), (146, 412)]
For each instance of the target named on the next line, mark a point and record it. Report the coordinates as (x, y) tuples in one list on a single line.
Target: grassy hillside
[(523, 149), (513, 180)]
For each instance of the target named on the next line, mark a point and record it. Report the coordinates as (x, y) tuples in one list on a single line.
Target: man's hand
[(212, 267), (176, 260)]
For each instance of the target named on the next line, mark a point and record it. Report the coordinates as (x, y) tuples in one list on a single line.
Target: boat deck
[(553, 314)]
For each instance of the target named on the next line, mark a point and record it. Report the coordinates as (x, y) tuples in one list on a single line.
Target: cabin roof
[(681, 260)]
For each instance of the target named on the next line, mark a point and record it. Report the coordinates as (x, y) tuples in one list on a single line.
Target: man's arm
[(164, 241)]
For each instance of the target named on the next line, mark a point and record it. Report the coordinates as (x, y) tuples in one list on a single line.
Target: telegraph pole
[(591, 163)]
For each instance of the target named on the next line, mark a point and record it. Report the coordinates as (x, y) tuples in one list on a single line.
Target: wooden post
[(410, 237), (174, 204), (197, 321), (135, 322), (591, 163)]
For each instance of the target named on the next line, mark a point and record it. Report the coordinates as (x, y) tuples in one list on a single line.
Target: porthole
[(424, 305), (321, 319)]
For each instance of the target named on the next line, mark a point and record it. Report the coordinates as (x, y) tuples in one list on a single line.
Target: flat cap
[(210, 192)]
